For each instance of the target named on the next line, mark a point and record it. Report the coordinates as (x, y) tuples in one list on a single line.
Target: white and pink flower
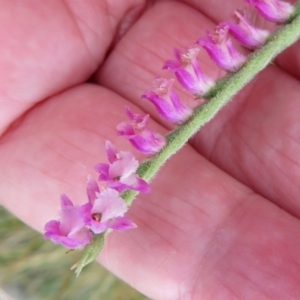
[(120, 173), (70, 231), (221, 49), (188, 73), (167, 102), (139, 135), (248, 35), (105, 209), (273, 10)]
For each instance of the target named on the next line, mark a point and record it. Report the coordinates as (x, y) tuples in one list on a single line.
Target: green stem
[(221, 94)]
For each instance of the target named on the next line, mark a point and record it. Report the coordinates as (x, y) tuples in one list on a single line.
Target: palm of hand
[(201, 232)]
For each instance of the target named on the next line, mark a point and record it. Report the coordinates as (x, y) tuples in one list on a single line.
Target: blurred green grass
[(35, 269)]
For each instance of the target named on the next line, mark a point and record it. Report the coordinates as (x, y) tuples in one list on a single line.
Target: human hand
[(201, 233)]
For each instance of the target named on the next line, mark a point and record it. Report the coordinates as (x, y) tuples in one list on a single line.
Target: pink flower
[(273, 10), (105, 209), (248, 35), (70, 231), (142, 138), (167, 102), (120, 173), (221, 49), (188, 73)]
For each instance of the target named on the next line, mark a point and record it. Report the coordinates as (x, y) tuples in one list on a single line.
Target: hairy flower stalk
[(105, 209)]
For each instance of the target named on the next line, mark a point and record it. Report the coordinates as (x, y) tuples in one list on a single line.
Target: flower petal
[(111, 151), (248, 35), (109, 204), (121, 223), (125, 129), (70, 220), (70, 231), (221, 50), (124, 166), (103, 170), (140, 137), (174, 111), (148, 143), (91, 189)]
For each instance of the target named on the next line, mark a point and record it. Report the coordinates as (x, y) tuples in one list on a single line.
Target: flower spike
[(273, 10), (188, 73), (167, 102), (71, 231), (141, 138), (120, 173), (248, 35), (88, 225), (221, 49)]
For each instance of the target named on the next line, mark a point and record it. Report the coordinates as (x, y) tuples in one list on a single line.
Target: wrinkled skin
[(222, 220)]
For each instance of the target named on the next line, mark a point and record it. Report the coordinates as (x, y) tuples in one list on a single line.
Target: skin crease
[(222, 219)]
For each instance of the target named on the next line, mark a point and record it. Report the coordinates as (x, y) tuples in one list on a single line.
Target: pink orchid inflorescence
[(105, 207)]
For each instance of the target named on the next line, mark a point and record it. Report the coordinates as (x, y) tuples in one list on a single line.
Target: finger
[(200, 234), (255, 138), (216, 11), (50, 46), (289, 60)]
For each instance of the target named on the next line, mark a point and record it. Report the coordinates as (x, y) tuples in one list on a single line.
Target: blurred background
[(32, 268)]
